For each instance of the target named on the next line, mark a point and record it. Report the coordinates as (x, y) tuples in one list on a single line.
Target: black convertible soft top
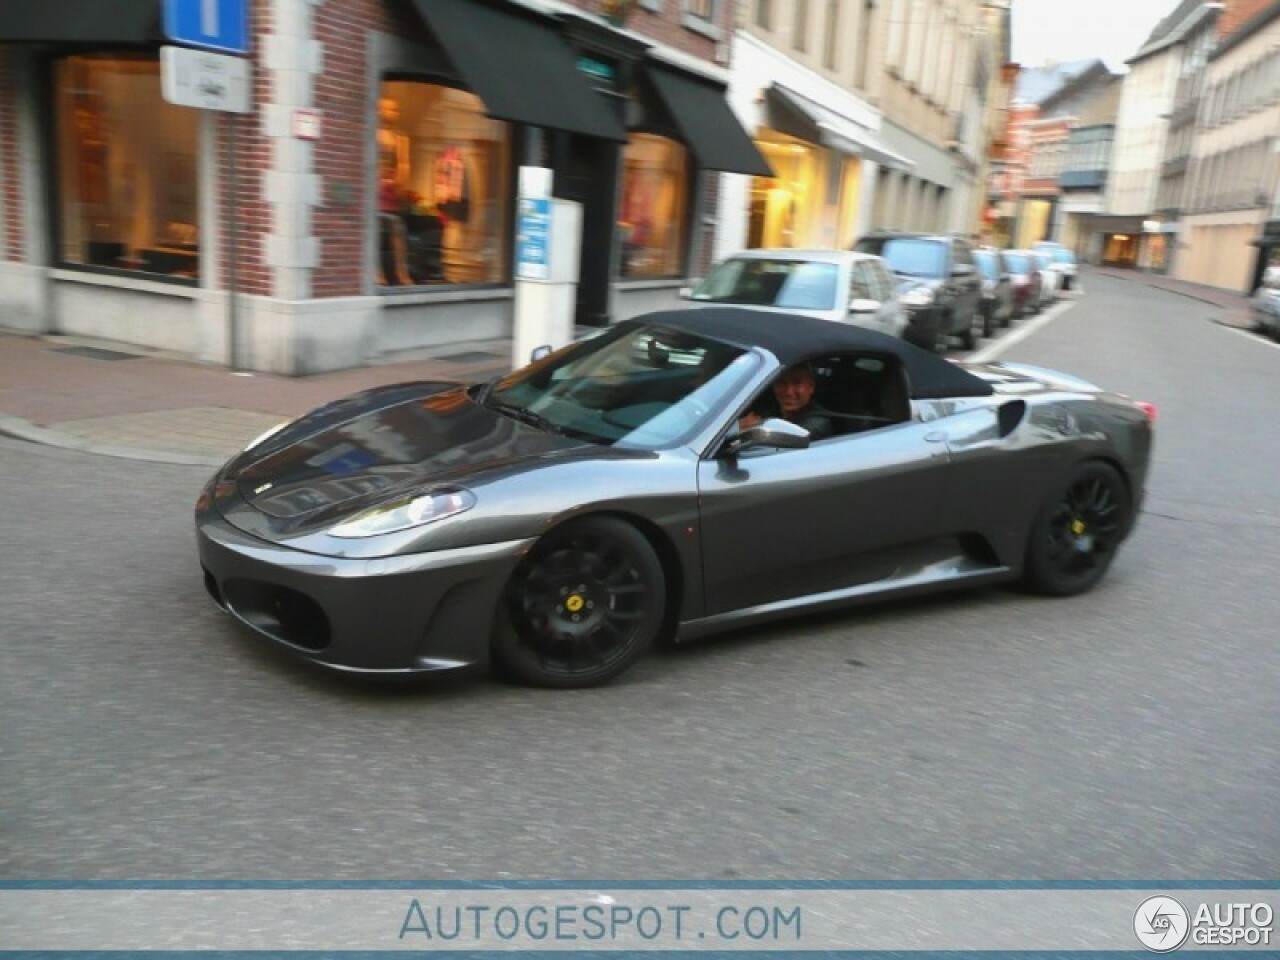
[(792, 338)]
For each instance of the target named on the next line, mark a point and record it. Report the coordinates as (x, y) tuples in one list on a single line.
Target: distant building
[(1046, 104), (1232, 210)]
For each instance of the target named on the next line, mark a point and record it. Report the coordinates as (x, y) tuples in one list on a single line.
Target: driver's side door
[(778, 524)]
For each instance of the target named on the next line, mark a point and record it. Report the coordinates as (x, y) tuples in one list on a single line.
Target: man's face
[(794, 390)]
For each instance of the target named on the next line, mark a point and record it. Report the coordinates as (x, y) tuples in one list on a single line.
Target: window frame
[(51, 150), (507, 265)]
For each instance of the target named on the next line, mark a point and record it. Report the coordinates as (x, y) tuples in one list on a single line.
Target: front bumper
[(418, 613)]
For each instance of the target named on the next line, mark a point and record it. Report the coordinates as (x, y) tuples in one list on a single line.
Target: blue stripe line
[(593, 885), (624, 955)]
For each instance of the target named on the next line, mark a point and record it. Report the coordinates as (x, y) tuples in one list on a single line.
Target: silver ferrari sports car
[(659, 481)]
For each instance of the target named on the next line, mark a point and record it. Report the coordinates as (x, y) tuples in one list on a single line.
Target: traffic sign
[(210, 24), (211, 81)]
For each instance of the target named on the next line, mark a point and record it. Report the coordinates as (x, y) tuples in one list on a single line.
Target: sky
[(1064, 30)]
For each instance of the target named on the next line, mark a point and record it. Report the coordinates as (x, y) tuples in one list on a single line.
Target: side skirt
[(963, 572)]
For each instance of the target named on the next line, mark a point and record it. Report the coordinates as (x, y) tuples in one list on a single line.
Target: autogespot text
[(600, 922)]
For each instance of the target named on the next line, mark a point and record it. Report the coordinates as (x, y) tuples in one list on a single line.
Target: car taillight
[(1149, 409)]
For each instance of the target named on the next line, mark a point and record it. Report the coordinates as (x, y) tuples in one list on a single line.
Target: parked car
[(997, 290), (560, 520), (1266, 306), (837, 285), (940, 285), (1024, 274), (1050, 279), (1063, 261)]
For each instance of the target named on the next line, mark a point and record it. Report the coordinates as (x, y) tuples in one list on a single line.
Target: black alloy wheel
[(585, 604), (1078, 531)]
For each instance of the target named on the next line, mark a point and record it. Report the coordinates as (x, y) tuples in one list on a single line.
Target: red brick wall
[(340, 95), (245, 168), (10, 181), (667, 26), (1239, 12)]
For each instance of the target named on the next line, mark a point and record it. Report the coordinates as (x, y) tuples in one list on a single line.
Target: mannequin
[(393, 146), (393, 169)]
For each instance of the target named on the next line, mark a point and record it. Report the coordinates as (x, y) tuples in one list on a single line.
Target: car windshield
[(914, 257), (1017, 263), (987, 264), (638, 386), (760, 282)]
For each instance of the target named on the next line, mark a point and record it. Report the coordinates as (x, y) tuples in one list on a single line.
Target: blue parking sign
[(221, 25)]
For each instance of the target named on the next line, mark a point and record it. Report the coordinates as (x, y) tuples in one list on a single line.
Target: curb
[(20, 429)]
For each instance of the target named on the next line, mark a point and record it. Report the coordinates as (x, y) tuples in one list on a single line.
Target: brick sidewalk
[(65, 392)]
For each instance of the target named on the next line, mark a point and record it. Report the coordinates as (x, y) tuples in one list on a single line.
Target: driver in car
[(793, 391)]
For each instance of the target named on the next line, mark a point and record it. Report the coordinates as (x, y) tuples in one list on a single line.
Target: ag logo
[(1161, 924)]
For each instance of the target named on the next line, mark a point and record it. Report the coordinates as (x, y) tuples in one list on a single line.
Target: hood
[(332, 462)]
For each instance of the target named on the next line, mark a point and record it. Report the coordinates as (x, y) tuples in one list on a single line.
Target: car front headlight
[(918, 297), (406, 513)]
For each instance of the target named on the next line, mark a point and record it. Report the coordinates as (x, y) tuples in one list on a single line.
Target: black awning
[(706, 123), (520, 67), (134, 22)]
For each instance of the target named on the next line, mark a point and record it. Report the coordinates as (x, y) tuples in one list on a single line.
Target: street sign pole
[(213, 81)]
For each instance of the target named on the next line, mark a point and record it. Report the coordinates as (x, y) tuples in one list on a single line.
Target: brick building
[(366, 203)]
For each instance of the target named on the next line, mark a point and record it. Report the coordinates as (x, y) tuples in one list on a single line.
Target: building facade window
[(864, 43), (800, 26), (127, 184), (653, 217), (831, 40), (702, 9), (445, 189), (764, 14)]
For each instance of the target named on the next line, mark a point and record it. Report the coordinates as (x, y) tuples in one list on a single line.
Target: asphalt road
[(1133, 733)]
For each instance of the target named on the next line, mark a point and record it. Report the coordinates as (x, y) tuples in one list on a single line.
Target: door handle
[(935, 436)]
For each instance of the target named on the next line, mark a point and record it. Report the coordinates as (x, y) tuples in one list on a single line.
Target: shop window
[(781, 206), (655, 199), (127, 197), (445, 188)]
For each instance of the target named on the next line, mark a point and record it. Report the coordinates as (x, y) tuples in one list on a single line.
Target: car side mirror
[(774, 432), (863, 305)]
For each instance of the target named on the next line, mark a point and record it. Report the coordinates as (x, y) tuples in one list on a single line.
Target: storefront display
[(781, 205), (126, 169), (444, 187), (652, 216)]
